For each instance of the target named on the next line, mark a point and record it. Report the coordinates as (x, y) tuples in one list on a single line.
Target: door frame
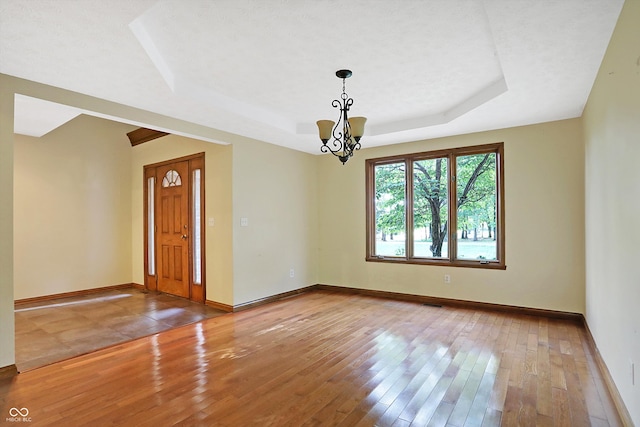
[(197, 292)]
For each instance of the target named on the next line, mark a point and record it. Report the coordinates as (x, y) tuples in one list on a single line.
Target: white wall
[(544, 213), (275, 189), (72, 208), (612, 136)]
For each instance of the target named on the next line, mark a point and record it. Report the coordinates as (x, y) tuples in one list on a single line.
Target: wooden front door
[(174, 250), (172, 247)]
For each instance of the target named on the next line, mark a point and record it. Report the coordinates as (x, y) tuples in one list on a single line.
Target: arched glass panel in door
[(171, 179)]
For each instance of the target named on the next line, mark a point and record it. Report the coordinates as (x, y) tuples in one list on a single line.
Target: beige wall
[(72, 208), (8, 87), (308, 213), (271, 186), (91, 235), (7, 344), (275, 189), (612, 138), (544, 205), (219, 262)]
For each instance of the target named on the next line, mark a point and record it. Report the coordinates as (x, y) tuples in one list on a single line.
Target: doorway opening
[(174, 250)]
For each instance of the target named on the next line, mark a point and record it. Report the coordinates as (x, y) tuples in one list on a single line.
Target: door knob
[(184, 237)]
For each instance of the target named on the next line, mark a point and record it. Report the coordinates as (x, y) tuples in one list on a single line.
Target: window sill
[(445, 263)]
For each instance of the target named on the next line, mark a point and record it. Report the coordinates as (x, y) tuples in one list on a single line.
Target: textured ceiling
[(266, 68)]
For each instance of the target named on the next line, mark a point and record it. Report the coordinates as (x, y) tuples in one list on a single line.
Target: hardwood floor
[(53, 330), (324, 358)]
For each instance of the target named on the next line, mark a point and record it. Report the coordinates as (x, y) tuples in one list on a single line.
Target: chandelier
[(345, 135)]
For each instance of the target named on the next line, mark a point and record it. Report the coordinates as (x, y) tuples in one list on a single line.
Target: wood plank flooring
[(324, 358), (53, 330)]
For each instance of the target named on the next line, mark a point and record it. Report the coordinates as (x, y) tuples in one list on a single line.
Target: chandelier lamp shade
[(342, 138)]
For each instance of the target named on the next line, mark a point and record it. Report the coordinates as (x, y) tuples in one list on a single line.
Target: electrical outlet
[(244, 222), (447, 278), (292, 273)]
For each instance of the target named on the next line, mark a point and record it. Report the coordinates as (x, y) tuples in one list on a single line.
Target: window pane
[(151, 224), (476, 188), (171, 179), (430, 208), (390, 210), (197, 230)]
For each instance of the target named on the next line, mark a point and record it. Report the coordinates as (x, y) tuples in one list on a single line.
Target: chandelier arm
[(327, 149), (342, 129), (346, 138), (334, 145)]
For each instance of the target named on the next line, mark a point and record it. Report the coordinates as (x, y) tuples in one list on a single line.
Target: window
[(151, 227), (197, 229), (171, 179), (440, 208)]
